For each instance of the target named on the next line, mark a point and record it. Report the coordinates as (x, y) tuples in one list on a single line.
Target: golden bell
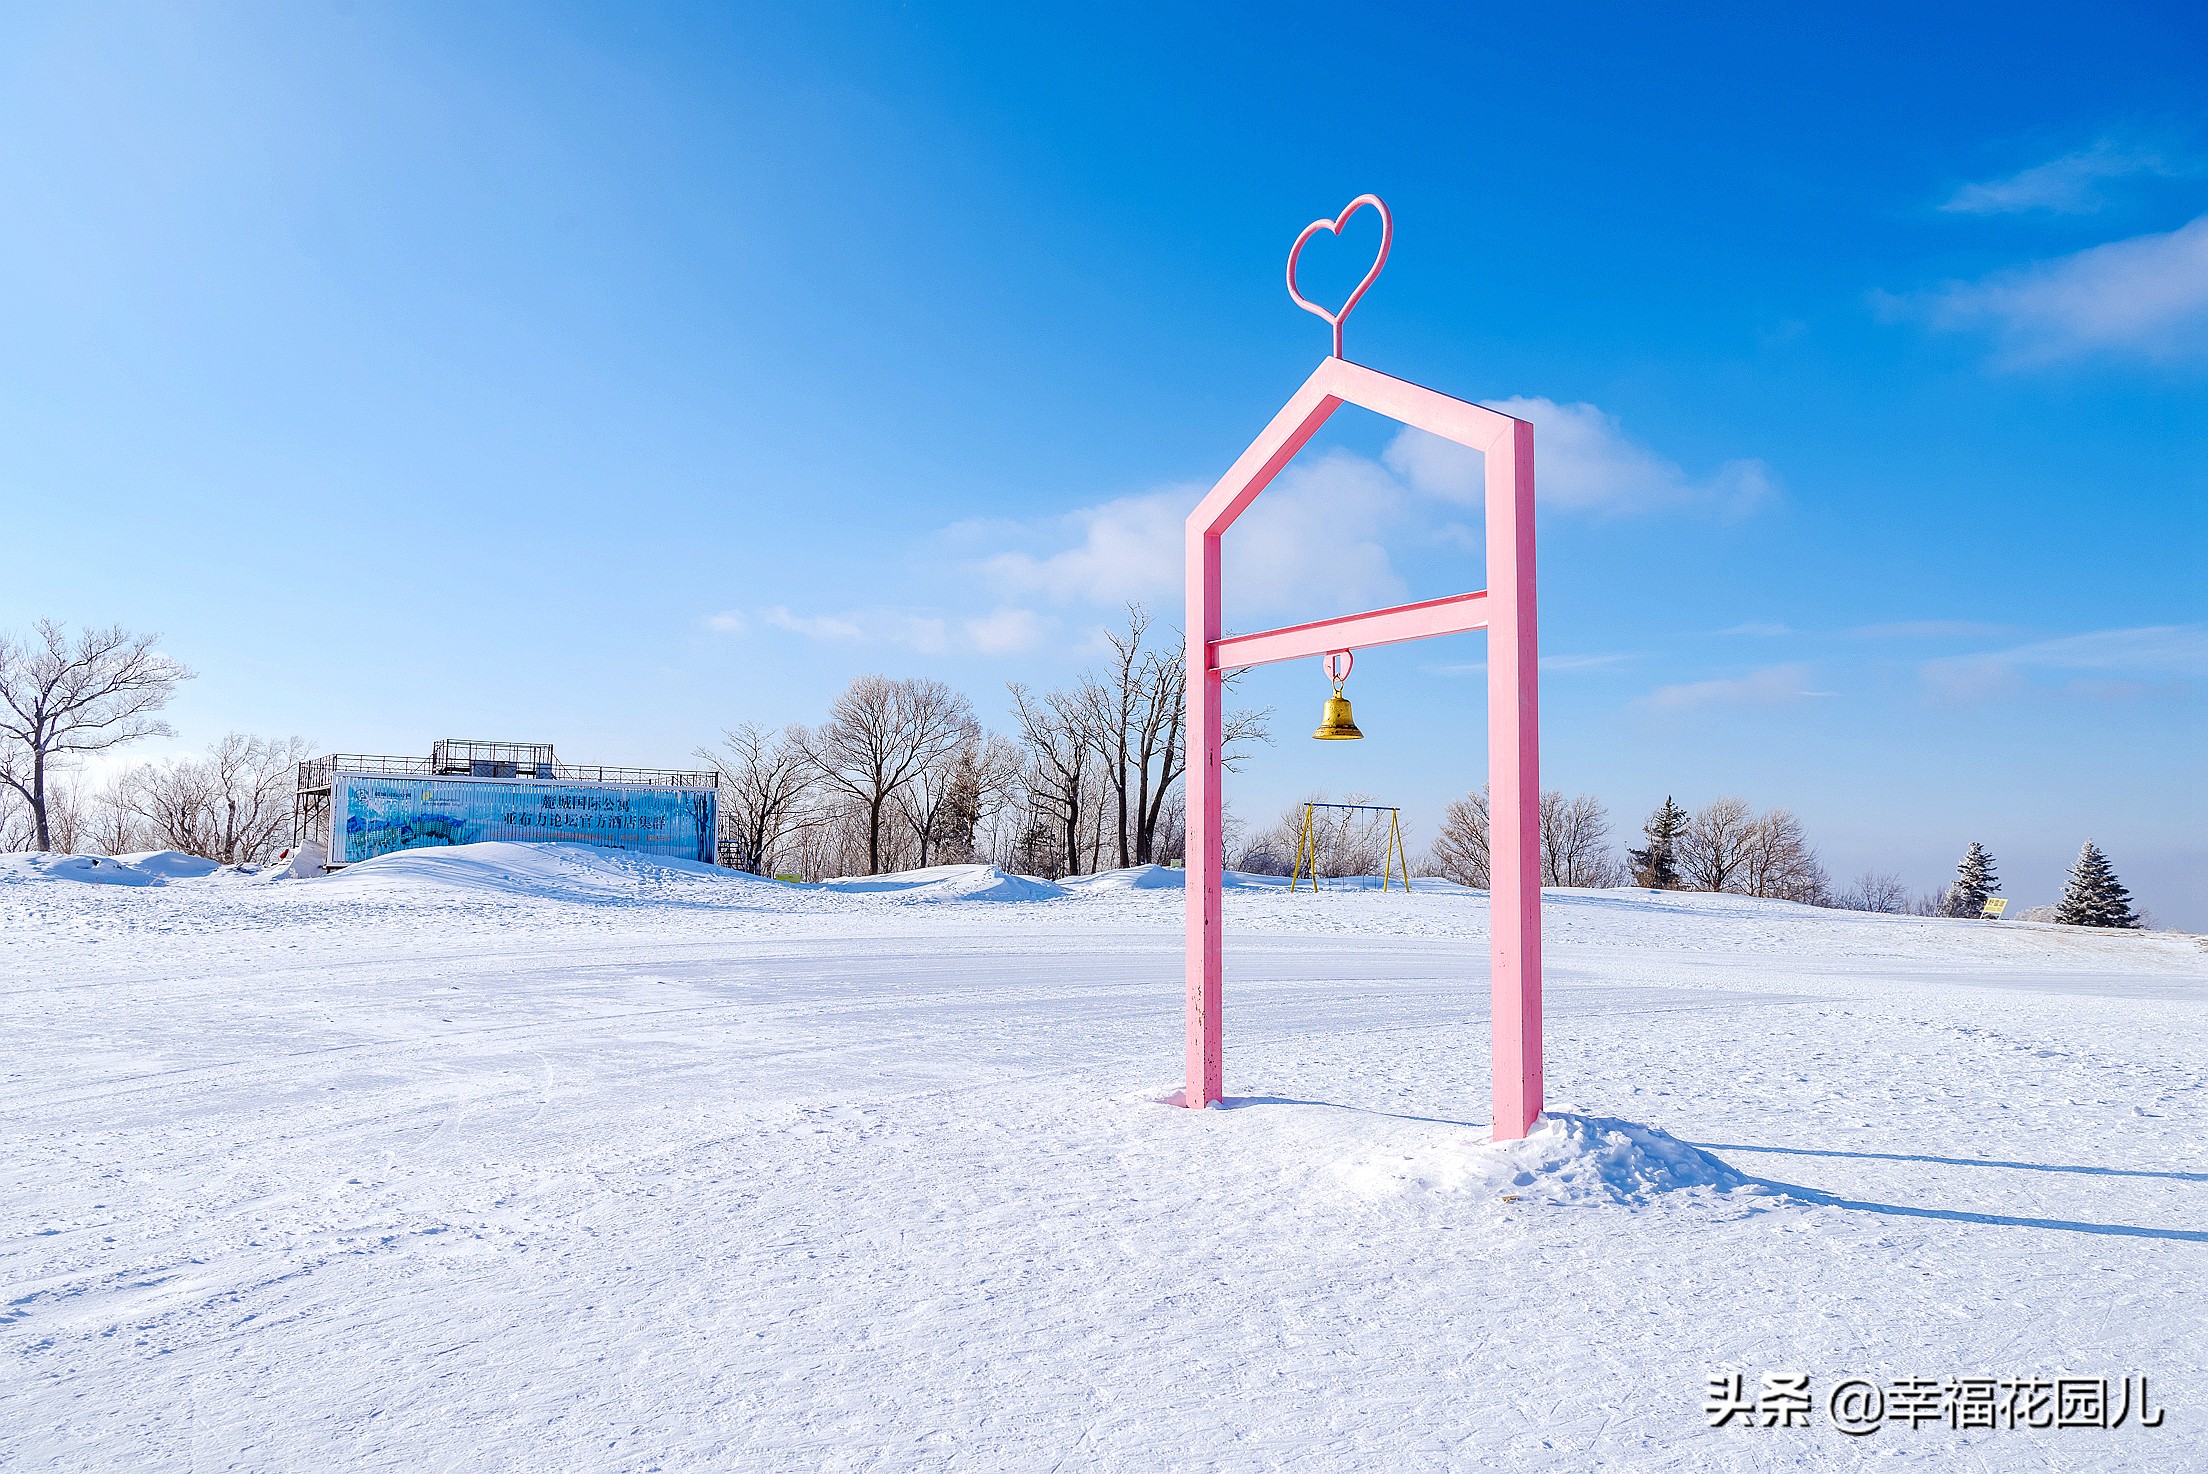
[(1337, 725)]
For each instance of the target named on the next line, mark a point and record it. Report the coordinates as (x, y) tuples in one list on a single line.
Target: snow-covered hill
[(531, 1157)]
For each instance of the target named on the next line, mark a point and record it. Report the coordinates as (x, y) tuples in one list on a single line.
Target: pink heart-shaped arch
[(1334, 227)]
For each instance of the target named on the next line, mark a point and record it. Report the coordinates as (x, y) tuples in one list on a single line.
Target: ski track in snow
[(529, 1157)]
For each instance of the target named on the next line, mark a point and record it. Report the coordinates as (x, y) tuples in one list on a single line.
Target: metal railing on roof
[(317, 774), (464, 755)]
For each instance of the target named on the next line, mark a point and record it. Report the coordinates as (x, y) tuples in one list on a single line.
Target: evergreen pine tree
[(953, 832), (1657, 866), (2094, 896), (1974, 881)]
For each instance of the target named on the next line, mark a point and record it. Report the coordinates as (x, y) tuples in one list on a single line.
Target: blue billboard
[(372, 815)]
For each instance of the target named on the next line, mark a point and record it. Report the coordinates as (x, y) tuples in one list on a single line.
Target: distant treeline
[(902, 774)]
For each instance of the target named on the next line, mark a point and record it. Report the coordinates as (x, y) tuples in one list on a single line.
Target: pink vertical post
[(1206, 856), (1514, 785)]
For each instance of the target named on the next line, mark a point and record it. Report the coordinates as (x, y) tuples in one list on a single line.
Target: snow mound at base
[(169, 864), (1136, 878), (563, 872), (1565, 1159), (949, 883), (86, 869)]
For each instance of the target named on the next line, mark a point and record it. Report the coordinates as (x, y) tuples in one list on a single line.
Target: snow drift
[(87, 869), (1566, 1159), (558, 872), (169, 864), (949, 883)]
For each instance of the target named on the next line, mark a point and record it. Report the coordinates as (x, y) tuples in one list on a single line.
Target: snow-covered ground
[(538, 1158)]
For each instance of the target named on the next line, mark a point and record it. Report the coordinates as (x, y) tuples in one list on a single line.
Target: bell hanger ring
[(1334, 227), (1336, 722)]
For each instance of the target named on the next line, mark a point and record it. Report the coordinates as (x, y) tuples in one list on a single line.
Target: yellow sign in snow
[(1995, 905)]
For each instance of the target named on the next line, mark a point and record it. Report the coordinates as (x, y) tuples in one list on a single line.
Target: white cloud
[(1584, 461), (2070, 185), (2146, 296), (2166, 652), (1129, 548), (815, 626), (1770, 686), (1928, 629), (1311, 544), (1963, 680), (1440, 468), (1761, 628), (1006, 632), (2162, 649), (921, 632), (1314, 544)]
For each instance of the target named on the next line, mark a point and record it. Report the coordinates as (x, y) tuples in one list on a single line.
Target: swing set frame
[(1307, 846)]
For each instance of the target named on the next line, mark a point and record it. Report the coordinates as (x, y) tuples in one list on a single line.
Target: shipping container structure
[(358, 805)]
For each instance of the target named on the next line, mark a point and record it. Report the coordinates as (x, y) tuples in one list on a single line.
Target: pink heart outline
[(1334, 227)]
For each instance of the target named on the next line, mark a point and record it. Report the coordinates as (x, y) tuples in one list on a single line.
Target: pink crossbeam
[(1455, 615)]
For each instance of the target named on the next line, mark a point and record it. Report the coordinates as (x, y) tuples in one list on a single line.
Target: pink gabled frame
[(1505, 609)]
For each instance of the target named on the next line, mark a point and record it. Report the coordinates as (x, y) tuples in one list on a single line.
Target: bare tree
[(1729, 847), (62, 697), (1342, 841), (1273, 849), (942, 799), (1875, 890), (1716, 844), (1109, 709), (1779, 862), (15, 822), (1169, 838), (1262, 854), (833, 842), (1096, 827), (232, 807), (1939, 901), (68, 814), (1055, 731), (1575, 841), (113, 823), (1035, 850), (1160, 751), (985, 815), (1135, 714), (766, 776), (882, 734), (1459, 851), (174, 799)]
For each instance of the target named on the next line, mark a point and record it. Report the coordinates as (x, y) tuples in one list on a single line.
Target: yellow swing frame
[(1307, 847)]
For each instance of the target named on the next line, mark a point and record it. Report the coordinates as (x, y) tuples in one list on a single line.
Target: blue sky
[(611, 375)]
